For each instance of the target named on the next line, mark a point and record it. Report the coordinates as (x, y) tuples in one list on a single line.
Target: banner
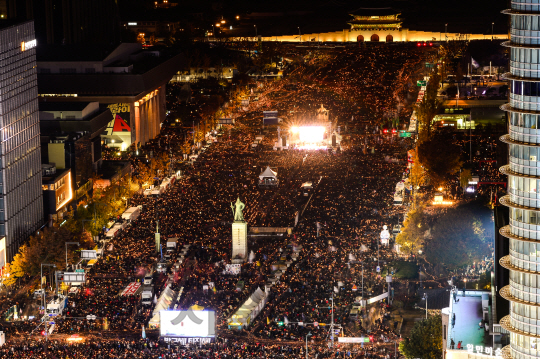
[(118, 131), (232, 269), (131, 289)]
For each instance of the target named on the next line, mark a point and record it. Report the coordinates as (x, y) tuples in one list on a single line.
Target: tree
[(425, 340), (440, 157), (464, 178), (418, 174), (429, 107), (411, 237)]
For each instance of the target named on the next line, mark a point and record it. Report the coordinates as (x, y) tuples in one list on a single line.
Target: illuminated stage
[(310, 137), (318, 133)]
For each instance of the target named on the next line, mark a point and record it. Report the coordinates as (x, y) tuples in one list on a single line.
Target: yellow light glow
[(70, 193), (237, 17), (218, 25), (311, 133), (222, 21), (295, 129), (74, 339)]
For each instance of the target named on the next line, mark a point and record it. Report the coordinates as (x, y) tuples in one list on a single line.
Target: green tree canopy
[(425, 340)]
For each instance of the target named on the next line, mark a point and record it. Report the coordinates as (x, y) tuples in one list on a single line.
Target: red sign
[(131, 289)]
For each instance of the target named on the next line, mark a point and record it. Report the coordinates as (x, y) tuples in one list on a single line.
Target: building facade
[(130, 81), (523, 171), (379, 25), (21, 203)]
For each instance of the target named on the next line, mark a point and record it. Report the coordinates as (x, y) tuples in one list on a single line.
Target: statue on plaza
[(238, 215)]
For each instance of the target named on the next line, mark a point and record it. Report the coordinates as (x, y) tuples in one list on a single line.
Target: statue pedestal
[(239, 242)]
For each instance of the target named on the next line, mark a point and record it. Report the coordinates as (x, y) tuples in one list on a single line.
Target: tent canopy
[(268, 172)]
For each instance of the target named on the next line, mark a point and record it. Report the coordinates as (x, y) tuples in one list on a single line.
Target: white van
[(148, 278)]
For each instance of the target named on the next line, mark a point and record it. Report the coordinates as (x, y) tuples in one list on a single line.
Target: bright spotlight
[(295, 129), (311, 133)]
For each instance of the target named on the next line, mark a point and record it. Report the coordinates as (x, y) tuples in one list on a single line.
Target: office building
[(130, 81), (523, 171), (21, 206)]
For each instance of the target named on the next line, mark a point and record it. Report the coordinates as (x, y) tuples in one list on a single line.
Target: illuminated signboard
[(28, 45), (119, 128), (188, 324), (132, 24)]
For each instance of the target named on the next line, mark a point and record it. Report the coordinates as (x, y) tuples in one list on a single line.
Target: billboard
[(119, 128), (188, 323)]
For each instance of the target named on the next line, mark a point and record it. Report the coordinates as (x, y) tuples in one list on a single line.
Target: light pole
[(332, 325), (492, 30), (77, 243), (362, 282), (446, 31), (43, 297), (425, 298), (299, 34), (307, 335), (213, 32), (255, 26)]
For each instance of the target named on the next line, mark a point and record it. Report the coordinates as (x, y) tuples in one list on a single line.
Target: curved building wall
[(523, 173)]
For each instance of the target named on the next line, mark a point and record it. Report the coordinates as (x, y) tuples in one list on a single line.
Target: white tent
[(163, 303), (250, 309), (131, 213), (268, 177)]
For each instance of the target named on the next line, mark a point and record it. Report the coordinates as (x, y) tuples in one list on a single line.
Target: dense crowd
[(336, 237)]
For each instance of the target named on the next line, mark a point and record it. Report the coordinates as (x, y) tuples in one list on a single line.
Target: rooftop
[(467, 309), (51, 178), (62, 106)]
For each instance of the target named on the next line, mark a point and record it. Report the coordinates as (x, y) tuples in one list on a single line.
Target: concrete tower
[(523, 171)]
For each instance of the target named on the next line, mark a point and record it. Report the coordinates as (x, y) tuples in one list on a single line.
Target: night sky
[(463, 16)]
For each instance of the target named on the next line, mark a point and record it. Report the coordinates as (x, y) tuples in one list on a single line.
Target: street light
[(492, 30), (255, 26), (446, 31), (425, 298), (77, 243), (307, 335), (43, 297), (299, 34)]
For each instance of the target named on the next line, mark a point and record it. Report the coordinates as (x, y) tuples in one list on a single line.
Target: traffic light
[(43, 332), (280, 324), (371, 338), (393, 130), (385, 131)]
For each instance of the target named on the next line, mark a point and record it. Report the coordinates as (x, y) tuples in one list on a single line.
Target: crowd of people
[(334, 228)]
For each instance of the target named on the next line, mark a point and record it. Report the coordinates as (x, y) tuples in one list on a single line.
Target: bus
[(56, 306), (399, 193)]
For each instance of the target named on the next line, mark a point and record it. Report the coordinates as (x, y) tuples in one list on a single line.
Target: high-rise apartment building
[(21, 203)]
